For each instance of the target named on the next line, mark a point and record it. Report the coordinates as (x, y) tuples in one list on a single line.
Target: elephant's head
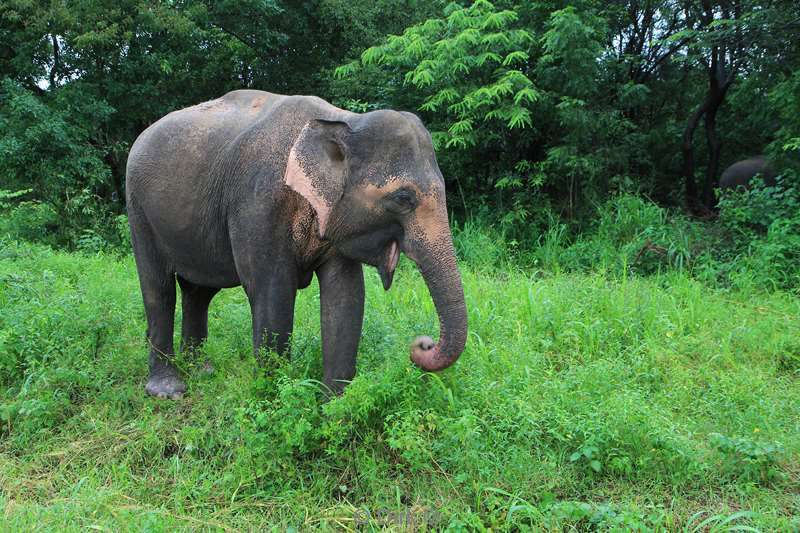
[(374, 184)]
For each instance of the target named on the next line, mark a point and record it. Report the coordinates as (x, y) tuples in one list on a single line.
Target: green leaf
[(515, 56), (443, 46), (373, 55), (432, 26), (462, 126), (456, 142), (416, 48), (439, 139), (521, 36), (481, 5), (499, 20), (496, 39), (501, 88), (520, 117), (429, 105), (528, 94), (460, 107), (346, 70), (458, 19), (486, 56), (470, 36), (422, 78), (448, 94), (516, 76)]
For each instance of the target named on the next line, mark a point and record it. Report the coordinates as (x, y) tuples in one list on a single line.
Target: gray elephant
[(740, 173), (263, 190)]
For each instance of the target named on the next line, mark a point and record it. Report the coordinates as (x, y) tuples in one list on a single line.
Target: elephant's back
[(186, 162), (741, 172), (185, 142)]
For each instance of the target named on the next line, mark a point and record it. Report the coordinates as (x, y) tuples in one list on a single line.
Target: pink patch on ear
[(300, 182)]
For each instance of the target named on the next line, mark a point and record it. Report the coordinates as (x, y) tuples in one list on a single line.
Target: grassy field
[(583, 402)]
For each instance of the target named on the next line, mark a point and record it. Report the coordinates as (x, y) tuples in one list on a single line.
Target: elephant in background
[(742, 172), (264, 191)]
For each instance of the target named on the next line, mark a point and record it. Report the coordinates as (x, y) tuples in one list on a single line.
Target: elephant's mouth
[(389, 263)]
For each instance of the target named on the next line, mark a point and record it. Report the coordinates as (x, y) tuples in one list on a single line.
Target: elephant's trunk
[(437, 262)]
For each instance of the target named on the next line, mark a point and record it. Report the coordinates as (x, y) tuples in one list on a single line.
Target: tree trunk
[(714, 148), (701, 202), (718, 84), (688, 157), (56, 62)]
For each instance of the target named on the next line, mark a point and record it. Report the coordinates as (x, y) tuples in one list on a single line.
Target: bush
[(31, 221), (745, 213), (755, 242), (47, 148), (479, 244), (630, 234), (761, 233), (748, 459)]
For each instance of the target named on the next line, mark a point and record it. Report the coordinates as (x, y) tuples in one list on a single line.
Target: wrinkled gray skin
[(263, 190), (740, 173)]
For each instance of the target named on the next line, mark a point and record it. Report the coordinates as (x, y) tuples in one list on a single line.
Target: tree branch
[(56, 61), (667, 54), (241, 39)]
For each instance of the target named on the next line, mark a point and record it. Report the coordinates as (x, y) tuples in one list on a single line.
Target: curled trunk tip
[(441, 275)]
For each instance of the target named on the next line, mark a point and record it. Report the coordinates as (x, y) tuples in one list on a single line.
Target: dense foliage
[(540, 104), (81, 79), (540, 110)]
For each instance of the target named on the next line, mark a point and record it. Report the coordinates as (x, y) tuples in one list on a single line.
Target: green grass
[(583, 402)]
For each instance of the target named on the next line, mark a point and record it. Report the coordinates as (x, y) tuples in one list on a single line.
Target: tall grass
[(598, 400)]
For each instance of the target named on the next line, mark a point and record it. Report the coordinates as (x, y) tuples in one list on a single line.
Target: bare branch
[(56, 61)]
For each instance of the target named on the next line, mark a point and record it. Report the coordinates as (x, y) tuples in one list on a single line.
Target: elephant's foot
[(166, 386)]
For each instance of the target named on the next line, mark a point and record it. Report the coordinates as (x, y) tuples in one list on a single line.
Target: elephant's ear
[(317, 167)]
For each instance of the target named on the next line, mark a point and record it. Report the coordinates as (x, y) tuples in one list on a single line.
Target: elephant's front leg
[(272, 307), (341, 287)]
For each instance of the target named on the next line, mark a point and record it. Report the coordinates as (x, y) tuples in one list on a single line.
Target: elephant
[(740, 173), (263, 191)]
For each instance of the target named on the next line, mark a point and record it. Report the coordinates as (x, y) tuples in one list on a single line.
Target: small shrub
[(598, 517), (762, 234), (586, 456), (478, 244), (752, 211), (631, 234), (549, 251), (30, 221), (90, 241), (123, 233), (748, 459), (409, 434)]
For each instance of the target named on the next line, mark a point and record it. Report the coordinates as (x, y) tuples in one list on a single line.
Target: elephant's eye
[(401, 201)]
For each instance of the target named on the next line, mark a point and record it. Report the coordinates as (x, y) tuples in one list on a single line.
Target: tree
[(728, 39), (537, 108)]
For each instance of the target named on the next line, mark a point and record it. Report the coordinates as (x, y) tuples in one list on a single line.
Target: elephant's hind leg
[(158, 292), (195, 300)]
